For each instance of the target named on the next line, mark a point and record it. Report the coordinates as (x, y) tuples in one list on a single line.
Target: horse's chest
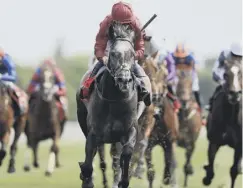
[(112, 127)]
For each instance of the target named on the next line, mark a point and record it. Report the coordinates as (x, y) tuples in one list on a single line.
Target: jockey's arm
[(218, 69), (102, 38), (170, 64), (34, 81), (10, 75), (61, 84), (139, 43)]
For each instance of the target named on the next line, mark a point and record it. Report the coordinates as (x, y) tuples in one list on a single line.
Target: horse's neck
[(45, 107)]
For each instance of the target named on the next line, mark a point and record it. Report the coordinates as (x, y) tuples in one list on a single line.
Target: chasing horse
[(165, 129), (13, 109), (145, 115), (187, 91), (224, 124), (48, 113)]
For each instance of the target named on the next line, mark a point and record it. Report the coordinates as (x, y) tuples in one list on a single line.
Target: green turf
[(71, 153)]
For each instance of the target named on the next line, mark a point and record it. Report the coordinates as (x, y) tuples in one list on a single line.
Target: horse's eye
[(112, 54), (226, 76)]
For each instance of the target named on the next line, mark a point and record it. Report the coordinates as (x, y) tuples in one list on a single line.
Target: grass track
[(72, 152)]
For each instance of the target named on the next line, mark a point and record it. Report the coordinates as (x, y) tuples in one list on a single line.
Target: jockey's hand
[(221, 82), (171, 82), (103, 59)]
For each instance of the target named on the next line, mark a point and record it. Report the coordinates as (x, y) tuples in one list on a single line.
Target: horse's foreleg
[(150, 167), (101, 151), (127, 150), (170, 164), (87, 166), (234, 171), (53, 160), (27, 155), (188, 169), (115, 151), (34, 146), (3, 149), (142, 145), (19, 125), (212, 150)]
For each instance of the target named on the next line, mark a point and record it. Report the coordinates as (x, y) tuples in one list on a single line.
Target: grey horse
[(110, 114)]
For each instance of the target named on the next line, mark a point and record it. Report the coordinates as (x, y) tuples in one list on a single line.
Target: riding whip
[(148, 22)]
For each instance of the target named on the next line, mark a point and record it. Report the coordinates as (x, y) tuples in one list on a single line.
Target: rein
[(113, 73)]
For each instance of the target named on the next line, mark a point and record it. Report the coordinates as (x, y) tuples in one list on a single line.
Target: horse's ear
[(226, 63), (111, 33)]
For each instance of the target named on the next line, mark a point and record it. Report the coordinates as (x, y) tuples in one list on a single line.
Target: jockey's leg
[(20, 97), (218, 88), (84, 91), (173, 98), (195, 89), (64, 104), (144, 85)]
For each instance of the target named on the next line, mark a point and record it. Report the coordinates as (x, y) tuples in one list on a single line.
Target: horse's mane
[(118, 30)]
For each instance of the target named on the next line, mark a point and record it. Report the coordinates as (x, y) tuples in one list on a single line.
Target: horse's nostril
[(130, 80), (119, 79)]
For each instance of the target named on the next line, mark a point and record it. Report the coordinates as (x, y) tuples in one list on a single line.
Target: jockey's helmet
[(236, 49), (181, 51), (122, 12), (50, 62), (1, 52)]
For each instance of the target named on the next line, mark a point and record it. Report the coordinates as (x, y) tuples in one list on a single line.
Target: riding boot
[(218, 88), (173, 98), (197, 97), (143, 94), (84, 91)]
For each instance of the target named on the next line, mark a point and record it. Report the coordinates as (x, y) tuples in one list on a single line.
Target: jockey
[(123, 13), (60, 83), (182, 56), (170, 63), (235, 52), (8, 76)]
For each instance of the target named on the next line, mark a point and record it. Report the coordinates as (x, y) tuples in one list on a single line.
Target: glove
[(221, 82), (103, 59), (1, 76)]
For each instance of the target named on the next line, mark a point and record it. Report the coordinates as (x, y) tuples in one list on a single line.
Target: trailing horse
[(165, 128), (146, 114), (110, 115), (44, 120), (224, 124), (9, 119), (189, 116)]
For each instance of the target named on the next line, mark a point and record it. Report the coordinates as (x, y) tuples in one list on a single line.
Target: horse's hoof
[(11, 169), (58, 165), (139, 173), (88, 185), (26, 168), (36, 165), (2, 155), (189, 170), (123, 185), (166, 181), (48, 174), (207, 181)]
